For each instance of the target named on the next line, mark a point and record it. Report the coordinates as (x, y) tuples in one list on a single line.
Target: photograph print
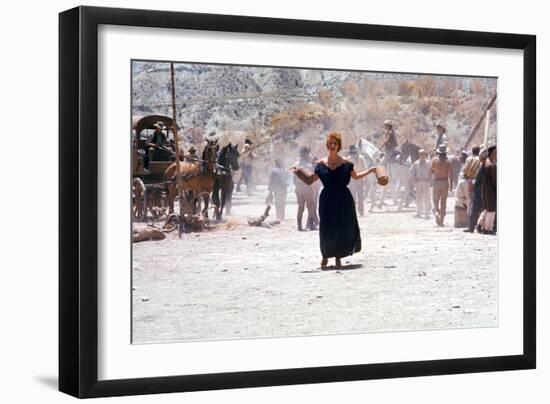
[(272, 202)]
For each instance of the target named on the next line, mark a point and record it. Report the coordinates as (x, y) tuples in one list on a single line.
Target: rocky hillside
[(285, 103)]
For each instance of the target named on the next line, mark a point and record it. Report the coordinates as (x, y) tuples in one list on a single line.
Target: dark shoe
[(299, 222), (467, 231), (324, 263), (338, 263)]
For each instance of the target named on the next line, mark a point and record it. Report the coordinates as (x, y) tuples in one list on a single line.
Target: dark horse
[(228, 161), (409, 149)]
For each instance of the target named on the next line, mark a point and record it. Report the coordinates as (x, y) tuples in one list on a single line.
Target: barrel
[(381, 176)]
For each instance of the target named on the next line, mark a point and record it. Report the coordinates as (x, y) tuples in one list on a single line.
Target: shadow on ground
[(351, 267)]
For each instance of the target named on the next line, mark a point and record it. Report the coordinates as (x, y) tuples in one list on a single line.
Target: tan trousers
[(306, 200), (357, 191), (280, 204), (423, 204), (440, 192)]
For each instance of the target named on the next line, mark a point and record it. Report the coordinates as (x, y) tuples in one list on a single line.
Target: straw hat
[(442, 149)]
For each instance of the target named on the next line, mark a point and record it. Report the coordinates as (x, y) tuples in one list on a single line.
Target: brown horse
[(197, 177)]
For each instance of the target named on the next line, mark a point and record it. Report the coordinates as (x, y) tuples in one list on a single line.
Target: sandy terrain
[(248, 282)]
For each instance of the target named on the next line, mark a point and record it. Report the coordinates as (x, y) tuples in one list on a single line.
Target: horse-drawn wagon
[(150, 159)]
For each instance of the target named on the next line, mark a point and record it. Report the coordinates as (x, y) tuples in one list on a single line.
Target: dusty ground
[(243, 282)]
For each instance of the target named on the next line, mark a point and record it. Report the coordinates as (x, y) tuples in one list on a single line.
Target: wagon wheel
[(138, 199), (158, 202)]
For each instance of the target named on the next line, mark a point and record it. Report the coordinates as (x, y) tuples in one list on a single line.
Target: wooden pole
[(478, 124), (487, 117), (176, 143)]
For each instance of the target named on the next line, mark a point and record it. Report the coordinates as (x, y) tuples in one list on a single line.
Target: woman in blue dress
[(338, 226)]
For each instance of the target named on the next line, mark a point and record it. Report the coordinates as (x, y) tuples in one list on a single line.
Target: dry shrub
[(325, 98), (407, 87), (311, 113), (391, 106), (281, 121), (426, 86), (407, 99), (349, 89), (368, 87), (196, 135), (447, 87), (422, 106), (407, 128), (388, 88), (478, 87), (435, 112)]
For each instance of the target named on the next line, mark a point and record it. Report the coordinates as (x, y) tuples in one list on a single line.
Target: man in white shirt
[(420, 171), (357, 187), (462, 203)]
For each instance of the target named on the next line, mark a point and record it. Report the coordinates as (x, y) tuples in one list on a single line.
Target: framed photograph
[(250, 202)]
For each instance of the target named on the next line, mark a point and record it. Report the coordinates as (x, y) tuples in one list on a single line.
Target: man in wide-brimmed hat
[(192, 154), (157, 146), (440, 135), (357, 187), (248, 157), (159, 125), (389, 143), (305, 193), (440, 168)]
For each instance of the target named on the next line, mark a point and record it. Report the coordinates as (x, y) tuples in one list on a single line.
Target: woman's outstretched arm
[(307, 178), (361, 174)]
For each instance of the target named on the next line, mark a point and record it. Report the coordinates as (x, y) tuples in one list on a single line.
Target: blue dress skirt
[(338, 226)]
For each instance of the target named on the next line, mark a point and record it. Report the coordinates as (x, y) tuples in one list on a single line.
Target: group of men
[(475, 195), (480, 174)]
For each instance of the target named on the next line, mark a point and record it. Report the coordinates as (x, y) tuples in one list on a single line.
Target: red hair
[(335, 136)]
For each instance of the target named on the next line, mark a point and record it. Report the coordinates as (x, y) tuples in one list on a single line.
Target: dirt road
[(239, 281)]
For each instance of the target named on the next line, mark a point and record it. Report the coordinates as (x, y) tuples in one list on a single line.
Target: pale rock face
[(236, 98)]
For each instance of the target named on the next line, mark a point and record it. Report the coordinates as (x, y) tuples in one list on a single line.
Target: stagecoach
[(149, 188)]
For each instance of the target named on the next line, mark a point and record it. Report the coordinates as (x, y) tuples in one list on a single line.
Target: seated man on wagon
[(158, 146)]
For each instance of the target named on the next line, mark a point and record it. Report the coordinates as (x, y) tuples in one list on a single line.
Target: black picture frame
[(78, 201)]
